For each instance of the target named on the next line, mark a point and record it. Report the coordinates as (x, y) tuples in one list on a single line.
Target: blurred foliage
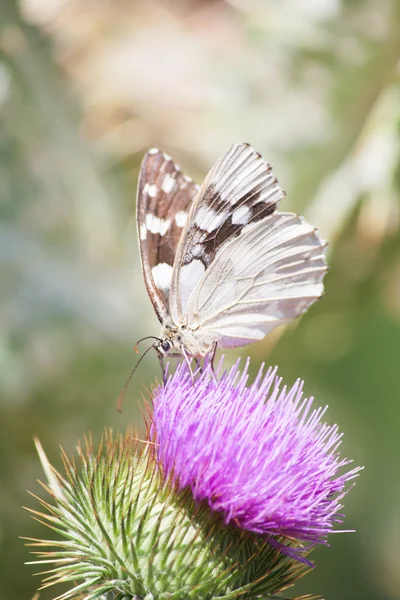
[(85, 89)]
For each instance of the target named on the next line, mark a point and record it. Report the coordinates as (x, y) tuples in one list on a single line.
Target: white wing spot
[(162, 274), (143, 231), (153, 151), (156, 225), (241, 215), (208, 219), (168, 184), (188, 277), (152, 190), (197, 250), (180, 218)]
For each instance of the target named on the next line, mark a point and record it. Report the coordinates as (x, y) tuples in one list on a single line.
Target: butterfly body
[(221, 265), (174, 338)]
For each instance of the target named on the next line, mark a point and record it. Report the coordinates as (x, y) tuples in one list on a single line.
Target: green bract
[(127, 533)]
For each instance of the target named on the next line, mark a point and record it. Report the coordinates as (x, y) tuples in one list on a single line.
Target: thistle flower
[(229, 477), (260, 455)]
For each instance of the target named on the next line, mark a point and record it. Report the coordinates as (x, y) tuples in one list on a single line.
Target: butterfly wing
[(270, 273), (163, 200), (240, 189)]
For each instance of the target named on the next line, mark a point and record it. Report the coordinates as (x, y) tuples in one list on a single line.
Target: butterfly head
[(170, 341), (164, 347)]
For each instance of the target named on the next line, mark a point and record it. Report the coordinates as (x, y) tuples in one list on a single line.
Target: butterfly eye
[(165, 345)]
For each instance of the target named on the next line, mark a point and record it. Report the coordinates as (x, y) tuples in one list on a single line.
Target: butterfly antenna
[(122, 394), (148, 337)]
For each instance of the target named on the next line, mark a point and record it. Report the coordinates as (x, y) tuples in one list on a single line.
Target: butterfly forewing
[(163, 200), (240, 189)]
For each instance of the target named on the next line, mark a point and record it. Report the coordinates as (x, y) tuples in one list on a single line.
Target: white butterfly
[(221, 267)]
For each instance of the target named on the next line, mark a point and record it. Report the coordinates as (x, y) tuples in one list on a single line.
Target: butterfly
[(221, 265)]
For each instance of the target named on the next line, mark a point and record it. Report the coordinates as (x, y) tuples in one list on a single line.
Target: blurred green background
[(85, 88)]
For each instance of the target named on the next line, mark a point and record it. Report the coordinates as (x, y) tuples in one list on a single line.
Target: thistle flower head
[(261, 455), (231, 475)]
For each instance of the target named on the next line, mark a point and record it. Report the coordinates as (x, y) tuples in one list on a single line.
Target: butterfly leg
[(212, 354), (187, 359), (161, 361)]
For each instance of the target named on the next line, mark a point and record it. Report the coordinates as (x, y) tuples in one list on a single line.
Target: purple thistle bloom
[(259, 454)]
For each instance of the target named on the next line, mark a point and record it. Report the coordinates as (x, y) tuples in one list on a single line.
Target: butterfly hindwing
[(269, 274), (163, 200)]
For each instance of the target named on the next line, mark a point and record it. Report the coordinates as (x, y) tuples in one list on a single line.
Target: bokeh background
[(85, 88)]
